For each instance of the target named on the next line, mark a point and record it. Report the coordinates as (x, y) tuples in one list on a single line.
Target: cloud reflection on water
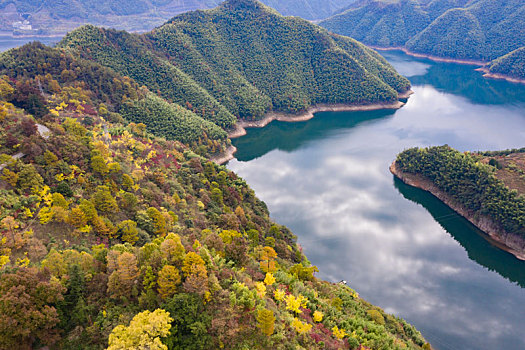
[(337, 195)]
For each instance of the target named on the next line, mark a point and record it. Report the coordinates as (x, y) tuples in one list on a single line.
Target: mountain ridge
[(481, 30), (242, 60)]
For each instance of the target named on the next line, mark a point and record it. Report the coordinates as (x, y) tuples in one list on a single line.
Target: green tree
[(29, 178), (191, 323), (104, 201), (128, 231)]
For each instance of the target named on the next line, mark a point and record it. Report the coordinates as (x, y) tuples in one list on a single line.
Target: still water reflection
[(328, 180)]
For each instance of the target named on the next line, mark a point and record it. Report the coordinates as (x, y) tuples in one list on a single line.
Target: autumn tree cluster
[(113, 236)]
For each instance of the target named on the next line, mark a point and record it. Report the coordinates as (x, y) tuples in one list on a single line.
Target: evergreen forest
[(479, 30), (470, 182)]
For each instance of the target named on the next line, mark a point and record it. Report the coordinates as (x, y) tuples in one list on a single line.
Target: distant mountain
[(460, 29), (242, 60), (308, 9), (59, 16)]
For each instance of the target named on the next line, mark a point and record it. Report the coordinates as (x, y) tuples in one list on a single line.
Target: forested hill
[(111, 236), (58, 16), (115, 233), (242, 60), (460, 29), (511, 65)]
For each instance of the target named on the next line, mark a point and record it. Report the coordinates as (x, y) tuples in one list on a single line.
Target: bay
[(327, 179)]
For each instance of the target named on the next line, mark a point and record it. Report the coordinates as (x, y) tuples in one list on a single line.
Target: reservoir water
[(327, 179), (8, 42)]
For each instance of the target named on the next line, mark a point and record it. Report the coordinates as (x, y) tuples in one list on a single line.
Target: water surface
[(8, 42), (327, 179)]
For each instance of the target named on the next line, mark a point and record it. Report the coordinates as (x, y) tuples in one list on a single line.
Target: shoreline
[(487, 74), (227, 155), (240, 127), (430, 57), (508, 242)]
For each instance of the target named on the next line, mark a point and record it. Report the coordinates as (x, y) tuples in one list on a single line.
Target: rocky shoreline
[(430, 57), (225, 156), (508, 242), (240, 128), (488, 74)]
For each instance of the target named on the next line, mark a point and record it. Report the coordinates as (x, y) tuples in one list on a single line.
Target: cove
[(327, 179)]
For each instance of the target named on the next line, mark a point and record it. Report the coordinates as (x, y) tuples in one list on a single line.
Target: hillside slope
[(460, 29), (113, 237), (242, 60)]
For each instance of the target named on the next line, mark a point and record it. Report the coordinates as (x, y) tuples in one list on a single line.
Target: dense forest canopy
[(242, 60), (461, 29), (472, 183), (116, 233), (43, 69), (512, 64)]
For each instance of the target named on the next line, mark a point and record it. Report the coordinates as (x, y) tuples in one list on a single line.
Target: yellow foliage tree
[(10, 177), (318, 316), (293, 304), (128, 231), (338, 333), (267, 259), (191, 263), (266, 321), (197, 281), (301, 327), (279, 294), (269, 279), (261, 289), (144, 332), (172, 248), (77, 218), (122, 280), (4, 260), (169, 279)]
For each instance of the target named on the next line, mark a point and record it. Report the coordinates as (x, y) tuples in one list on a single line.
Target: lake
[(8, 42), (327, 179)]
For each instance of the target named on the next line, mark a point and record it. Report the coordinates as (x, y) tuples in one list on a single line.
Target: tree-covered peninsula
[(480, 30), (511, 65), (486, 188), (116, 231)]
